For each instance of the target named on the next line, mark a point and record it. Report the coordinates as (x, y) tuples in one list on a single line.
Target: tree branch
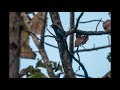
[(78, 21), (90, 21), (40, 44), (98, 24), (92, 49), (87, 32), (62, 45), (71, 42)]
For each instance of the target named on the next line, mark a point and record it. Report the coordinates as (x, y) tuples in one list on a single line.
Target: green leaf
[(56, 66), (40, 64), (30, 69), (38, 75), (59, 67)]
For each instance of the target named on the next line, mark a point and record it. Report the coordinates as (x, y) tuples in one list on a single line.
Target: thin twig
[(82, 66), (90, 21), (31, 33), (50, 32), (51, 45), (78, 20), (78, 57), (108, 40), (40, 39), (98, 24), (92, 49), (84, 32), (49, 36)]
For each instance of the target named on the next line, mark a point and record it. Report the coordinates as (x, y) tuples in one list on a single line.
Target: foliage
[(31, 72), (53, 65)]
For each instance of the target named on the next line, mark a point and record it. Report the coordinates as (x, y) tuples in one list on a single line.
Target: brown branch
[(92, 49), (78, 21), (64, 55), (40, 44), (71, 42), (87, 32), (34, 36)]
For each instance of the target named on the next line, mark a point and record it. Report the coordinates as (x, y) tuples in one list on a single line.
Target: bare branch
[(90, 21), (50, 32), (98, 24), (78, 57), (32, 33), (78, 20), (87, 32), (49, 36), (71, 42), (51, 45), (108, 40), (82, 66), (62, 45), (92, 49), (40, 44)]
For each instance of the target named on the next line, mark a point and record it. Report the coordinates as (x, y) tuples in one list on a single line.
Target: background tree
[(14, 44)]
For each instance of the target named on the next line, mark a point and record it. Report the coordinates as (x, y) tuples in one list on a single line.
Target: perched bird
[(58, 31), (80, 39)]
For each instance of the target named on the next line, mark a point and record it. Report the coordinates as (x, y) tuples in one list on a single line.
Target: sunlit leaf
[(40, 64), (38, 75)]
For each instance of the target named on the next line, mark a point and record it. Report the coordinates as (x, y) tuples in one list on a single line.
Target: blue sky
[(95, 61)]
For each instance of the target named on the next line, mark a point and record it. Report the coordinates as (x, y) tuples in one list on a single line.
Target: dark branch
[(82, 66), (62, 45), (98, 24), (51, 45), (78, 20), (78, 57), (90, 21), (31, 33), (49, 36), (50, 32), (40, 39), (92, 49), (87, 32), (71, 42)]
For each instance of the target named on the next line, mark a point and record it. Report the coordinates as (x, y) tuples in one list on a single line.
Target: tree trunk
[(14, 44), (71, 48), (63, 47)]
